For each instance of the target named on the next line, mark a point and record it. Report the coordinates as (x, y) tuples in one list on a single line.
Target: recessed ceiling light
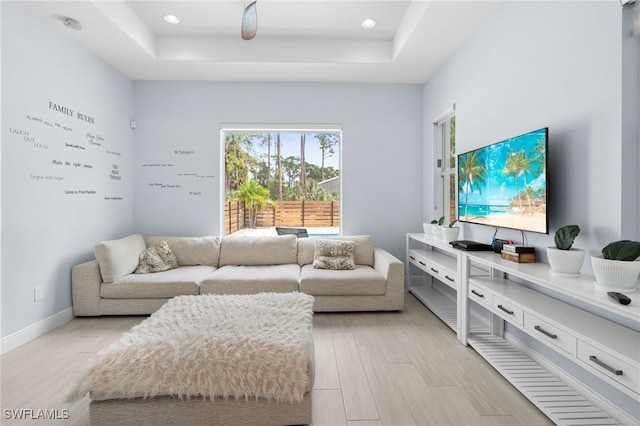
[(172, 19), (368, 23)]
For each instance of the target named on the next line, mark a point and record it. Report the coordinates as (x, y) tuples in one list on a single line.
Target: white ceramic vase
[(437, 230), (565, 262), (428, 229), (615, 274), (450, 234)]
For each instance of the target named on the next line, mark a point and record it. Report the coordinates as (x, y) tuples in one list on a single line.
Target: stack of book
[(518, 253)]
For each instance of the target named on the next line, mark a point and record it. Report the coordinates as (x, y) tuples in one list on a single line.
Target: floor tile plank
[(372, 369), (358, 400)]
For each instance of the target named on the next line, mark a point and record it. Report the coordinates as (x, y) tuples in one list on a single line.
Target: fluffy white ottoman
[(209, 359)]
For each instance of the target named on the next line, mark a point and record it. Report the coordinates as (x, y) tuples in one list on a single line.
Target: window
[(445, 153), (281, 177)]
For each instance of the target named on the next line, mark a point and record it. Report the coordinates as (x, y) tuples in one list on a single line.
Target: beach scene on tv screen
[(504, 184)]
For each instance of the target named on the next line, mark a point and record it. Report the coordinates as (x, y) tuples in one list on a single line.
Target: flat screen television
[(505, 184)]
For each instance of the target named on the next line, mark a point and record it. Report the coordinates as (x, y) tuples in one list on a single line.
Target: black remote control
[(622, 299)]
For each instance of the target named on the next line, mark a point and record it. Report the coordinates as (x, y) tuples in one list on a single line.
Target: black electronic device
[(497, 244), (470, 245), (517, 248), (622, 299)]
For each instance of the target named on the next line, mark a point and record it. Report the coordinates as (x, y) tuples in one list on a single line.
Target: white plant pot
[(450, 234), (437, 230), (615, 274), (566, 262), (428, 230)]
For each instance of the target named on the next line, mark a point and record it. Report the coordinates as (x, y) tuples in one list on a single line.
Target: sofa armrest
[(392, 269), (85, 288)]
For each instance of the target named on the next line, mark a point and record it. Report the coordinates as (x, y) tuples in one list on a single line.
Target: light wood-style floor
[(371, 369)]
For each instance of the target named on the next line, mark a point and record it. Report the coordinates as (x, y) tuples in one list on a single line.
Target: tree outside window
[(266, 168)]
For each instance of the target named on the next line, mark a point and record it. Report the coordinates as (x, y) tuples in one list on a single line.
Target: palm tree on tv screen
[(471, 173), (538, 156), (515, 163)]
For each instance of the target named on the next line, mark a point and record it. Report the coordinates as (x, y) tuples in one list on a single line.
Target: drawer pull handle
[(449, 278), (477, 294), (545, 332), (412, 258), (605, 366), (422, 263), (502, 308), (435, 270)]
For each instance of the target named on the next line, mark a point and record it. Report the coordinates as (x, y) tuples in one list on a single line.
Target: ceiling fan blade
[(250, 21)]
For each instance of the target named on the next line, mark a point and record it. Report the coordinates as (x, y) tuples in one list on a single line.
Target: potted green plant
[(563, 258), (450, 232), (618, 267), (428, 228), (436, 226)]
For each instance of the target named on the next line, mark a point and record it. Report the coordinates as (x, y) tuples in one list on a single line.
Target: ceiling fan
[(249, 21)]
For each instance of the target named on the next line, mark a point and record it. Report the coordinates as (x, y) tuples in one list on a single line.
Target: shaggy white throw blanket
[(229, 346)]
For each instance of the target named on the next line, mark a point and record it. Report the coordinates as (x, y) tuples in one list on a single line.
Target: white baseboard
[(36, 330)]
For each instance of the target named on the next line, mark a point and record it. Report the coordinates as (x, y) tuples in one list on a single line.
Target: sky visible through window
[(291, 148)]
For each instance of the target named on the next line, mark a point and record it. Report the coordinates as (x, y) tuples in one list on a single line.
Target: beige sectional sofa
[(108, 284)]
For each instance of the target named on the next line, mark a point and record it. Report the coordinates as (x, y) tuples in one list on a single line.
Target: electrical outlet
[(37, 294)]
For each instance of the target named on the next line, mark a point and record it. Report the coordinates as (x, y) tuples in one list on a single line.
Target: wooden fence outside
[(233, 217), (286, 213)]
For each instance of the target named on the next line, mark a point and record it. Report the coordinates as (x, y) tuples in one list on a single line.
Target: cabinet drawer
[(542, 330), (434, 269), (480, 295), (419, 261), (622, 372), (507, 310), (443, 275)]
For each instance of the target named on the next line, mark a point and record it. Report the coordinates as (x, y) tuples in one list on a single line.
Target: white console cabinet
[(570, 315)]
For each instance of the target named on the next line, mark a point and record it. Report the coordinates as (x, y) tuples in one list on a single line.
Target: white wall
[(571, 66), (53, 214), (555, 64), (179, 132)]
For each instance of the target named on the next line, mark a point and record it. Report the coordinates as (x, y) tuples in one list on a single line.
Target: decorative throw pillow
[(334, 254), (156, 259)]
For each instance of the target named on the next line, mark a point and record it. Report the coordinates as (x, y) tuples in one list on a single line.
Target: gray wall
[(179, 132), (555, 64), (53, 213)]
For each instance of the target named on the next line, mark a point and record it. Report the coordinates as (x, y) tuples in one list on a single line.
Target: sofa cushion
[(255, 250), (333, 254), (156, 259), (171, 283), (118, 258), (362, 281), (235, 279), (363, 252), (192, 250)]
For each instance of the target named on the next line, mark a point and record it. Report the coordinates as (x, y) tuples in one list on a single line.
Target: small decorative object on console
[(516, 248), (497, 244), (437, 227), (450, 232), (564, 260), (618, 267), (519, 257)]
